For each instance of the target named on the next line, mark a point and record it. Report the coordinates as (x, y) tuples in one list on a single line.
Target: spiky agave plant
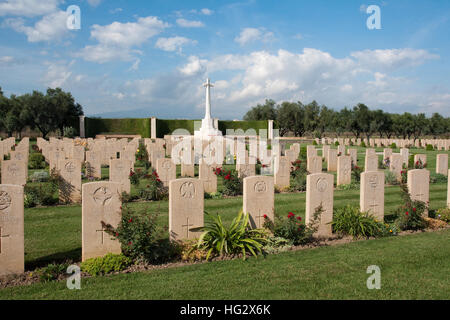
[(239, 237)]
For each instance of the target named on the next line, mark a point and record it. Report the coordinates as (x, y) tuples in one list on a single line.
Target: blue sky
[(150, 58)]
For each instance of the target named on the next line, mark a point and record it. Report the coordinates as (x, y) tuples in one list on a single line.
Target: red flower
[(414, 209), (299, 218), (131, 220), (227, 177), (407, 213), (158, 180), (130, 243), (291, 215), (265, 216), (117, 234)]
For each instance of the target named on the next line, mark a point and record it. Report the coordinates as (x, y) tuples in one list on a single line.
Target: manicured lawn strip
[(415, 266), (53, 234)]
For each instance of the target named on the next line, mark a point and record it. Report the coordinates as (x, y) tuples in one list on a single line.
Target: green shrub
[(363, 144), (419, 164), (134, 178), (351, 186), (390, 178), (336, 143), (239, 237), (213, 195), (411, 161), (154, 188), (139, 236), (438, 178), (388, 230), (393, 145), (443, 214), (350, 221), (303, 152), (232, 183), (45, 194), (298, 175), (429, 147), (106, 264), (276, 245), (52, 272), (383, 163), (356, 172), (292, 228), (298, 183), (36, 161), (314, 143), (40, 176), (142, 158), (409, 216)]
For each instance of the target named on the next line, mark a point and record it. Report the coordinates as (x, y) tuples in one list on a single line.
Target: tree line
[(53, 111), (362, 122)]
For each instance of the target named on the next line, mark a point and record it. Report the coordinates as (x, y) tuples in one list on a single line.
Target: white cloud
[(119, 95), (6, 60), (173, 44), (117, 10), (194, 66), (116, 40), (51, 27), (393, 58), (94, 3), (189, 23), (101, 54), (57, 74), (206, 11), (130, 33), (253, 34), (315, 74), (28, 8)]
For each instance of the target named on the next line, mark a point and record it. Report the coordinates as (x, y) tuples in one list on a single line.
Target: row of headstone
[(439, 144)]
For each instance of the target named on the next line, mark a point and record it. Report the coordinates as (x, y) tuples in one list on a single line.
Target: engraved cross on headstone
[(259, 216), (2, 236), (102, 234), (187, 225)]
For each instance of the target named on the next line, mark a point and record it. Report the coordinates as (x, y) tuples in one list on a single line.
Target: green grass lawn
[(412, 267)]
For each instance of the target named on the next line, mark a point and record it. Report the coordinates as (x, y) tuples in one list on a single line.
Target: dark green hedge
[(96, 126), (167, 126)]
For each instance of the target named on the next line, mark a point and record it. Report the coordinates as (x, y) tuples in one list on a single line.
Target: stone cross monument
[(207, 130)]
